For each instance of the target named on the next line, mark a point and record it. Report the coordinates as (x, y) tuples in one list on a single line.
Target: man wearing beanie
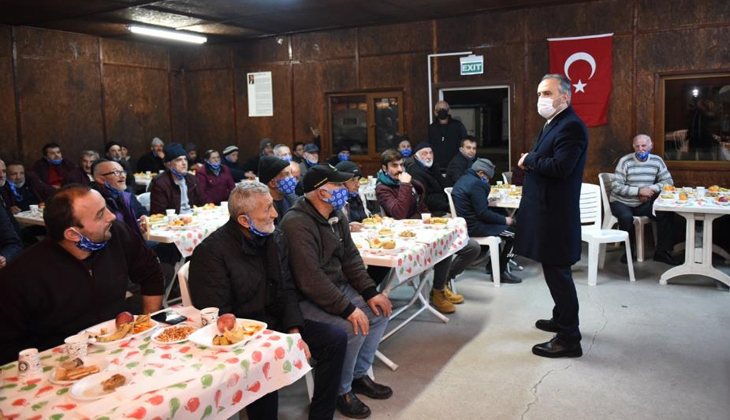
[(230, 159), (175, 188), (251, 168), (329, 272), (113, 152), (276, 174), (427, 171), (154, 160), (342, 154), (470, 195)]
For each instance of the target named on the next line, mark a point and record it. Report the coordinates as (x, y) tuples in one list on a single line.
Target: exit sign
[(473, 64)]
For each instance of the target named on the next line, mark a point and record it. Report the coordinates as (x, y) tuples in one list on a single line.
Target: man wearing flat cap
[(276, 174), (175, 188), (310, 159), (330, 274), (470, 195)]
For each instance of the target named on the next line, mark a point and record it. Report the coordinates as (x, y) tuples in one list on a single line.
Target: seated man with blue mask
[(331, 276), (276, 174), (283, 152), (175, 188), (311, 158), (638, 181), (342, 154), (470, 195)]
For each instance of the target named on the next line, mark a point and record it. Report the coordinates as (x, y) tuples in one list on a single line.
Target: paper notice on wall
[(260, 94)]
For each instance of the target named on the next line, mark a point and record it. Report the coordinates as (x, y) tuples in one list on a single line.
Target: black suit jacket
[(548, 230)]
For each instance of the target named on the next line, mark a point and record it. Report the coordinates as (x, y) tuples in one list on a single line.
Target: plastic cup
[(208, 316), (29, 364), (426, 217), (34, 208), (77, 345)]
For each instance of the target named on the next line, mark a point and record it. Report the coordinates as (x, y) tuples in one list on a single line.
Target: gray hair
[(243, 197), (157, 141), (90, 153), (279, 147), (564, 86)]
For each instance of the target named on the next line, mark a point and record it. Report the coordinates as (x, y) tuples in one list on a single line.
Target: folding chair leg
[(628, 260), (656, 235), (601, 255), (593, 251), (309, 377), (639, 233), (496, 270)]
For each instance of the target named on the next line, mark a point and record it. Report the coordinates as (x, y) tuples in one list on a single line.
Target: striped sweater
[(632, 174)]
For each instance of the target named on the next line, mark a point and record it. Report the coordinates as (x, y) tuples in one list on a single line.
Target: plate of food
[(374, 220), (722, 200), (381, 243), (124, 328), (173, 335), (407, 234), (412, 222), (99, 385), (74, 370), (386, 232), (228, 333)]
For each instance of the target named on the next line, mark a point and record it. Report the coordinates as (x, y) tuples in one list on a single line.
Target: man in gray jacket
[(329, 272)]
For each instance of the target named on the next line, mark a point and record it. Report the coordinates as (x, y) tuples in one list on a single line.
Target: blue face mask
[(344, 156), (407, 152), (113, 191), (255, 231), (643, 155), (177, 174), (86, 244), (55, 161), (337, 198), (14, 189), (311, 163), (287, 185), (214, 166), (485, 179), (286, 158)]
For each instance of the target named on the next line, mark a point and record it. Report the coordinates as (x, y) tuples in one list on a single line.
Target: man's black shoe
[(351, 406), (369, 388), (547, 325), (556, 348), (666, 258), (507, 278)]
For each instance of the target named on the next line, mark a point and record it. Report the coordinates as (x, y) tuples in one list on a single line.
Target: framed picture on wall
[(694, 119)]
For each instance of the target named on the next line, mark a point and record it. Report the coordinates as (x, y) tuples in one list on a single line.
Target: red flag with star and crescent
[(588, 62)]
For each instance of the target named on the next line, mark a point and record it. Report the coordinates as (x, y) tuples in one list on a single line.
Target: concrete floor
[(650, 352)]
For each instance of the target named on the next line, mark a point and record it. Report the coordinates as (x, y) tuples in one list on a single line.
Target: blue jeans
[(360, 349)]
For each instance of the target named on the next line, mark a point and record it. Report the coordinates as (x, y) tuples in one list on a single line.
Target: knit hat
[(174, 151), (311, 148), (269, 168), (190, 147), (230, 149), (484, 165), (158, 140), (266, 143), (321, 174), (422, 145), (109, 145), (349, 166)]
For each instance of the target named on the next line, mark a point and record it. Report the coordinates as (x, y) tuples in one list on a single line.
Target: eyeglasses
[(115, 173)]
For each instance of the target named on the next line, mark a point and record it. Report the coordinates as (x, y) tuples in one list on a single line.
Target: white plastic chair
[(507, 177), (491, 241), (182, 276), (609, 220), (144, 199), (591, 232)]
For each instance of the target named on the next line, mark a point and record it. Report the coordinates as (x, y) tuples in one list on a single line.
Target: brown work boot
[(441, 302), (453, 297)]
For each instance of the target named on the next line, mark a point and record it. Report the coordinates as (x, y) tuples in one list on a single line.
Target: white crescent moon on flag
[(578, 57)]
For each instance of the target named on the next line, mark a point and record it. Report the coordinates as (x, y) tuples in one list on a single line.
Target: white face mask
[(545, 107)]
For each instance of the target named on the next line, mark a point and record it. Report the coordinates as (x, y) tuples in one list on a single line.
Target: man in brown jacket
[(175, 188)]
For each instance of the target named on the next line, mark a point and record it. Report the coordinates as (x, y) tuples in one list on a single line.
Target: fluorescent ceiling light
[(167, 34)]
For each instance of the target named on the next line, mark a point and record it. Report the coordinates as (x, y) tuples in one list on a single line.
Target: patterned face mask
[(344, 156), (255, 231), (407, 152), (642, 156), (287, 185), (86, 244), (337, 199)]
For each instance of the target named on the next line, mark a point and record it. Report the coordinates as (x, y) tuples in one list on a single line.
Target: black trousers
[(328, 344), (559, 279), (625, 216)]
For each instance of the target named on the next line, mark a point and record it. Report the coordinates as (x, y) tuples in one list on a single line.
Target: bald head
[(642, 138), (112, 173)]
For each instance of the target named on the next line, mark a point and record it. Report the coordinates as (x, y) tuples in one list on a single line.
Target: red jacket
[(215, 188), (399, 201)]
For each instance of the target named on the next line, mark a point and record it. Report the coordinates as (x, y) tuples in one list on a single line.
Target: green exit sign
[(473, 64)]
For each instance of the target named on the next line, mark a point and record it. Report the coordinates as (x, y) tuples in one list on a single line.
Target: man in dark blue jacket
[(470, 195), (549, 230)]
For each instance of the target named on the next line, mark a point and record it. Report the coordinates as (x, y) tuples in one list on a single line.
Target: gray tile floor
[(651, 352)]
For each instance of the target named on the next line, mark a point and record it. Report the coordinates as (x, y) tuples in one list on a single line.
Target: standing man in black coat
[(549, 228), (445, 134)]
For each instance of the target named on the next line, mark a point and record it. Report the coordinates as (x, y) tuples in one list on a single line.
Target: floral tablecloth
[(218, 384), (30, 218), (187, 239), (412, 256)]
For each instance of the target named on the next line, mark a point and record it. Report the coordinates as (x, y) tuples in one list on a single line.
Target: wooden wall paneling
[(480, 30), (406, 38), (210, 116), (137, 108), (265, 50), (206, 57), (580, 19), (134, 54), (312, 81), (330, 45), (658, 14), (59, 92), (8, 117)]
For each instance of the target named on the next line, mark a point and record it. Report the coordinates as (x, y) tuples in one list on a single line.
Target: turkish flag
[(588, 62)]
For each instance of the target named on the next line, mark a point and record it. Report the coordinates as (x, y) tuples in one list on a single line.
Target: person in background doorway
[(445, 134)]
